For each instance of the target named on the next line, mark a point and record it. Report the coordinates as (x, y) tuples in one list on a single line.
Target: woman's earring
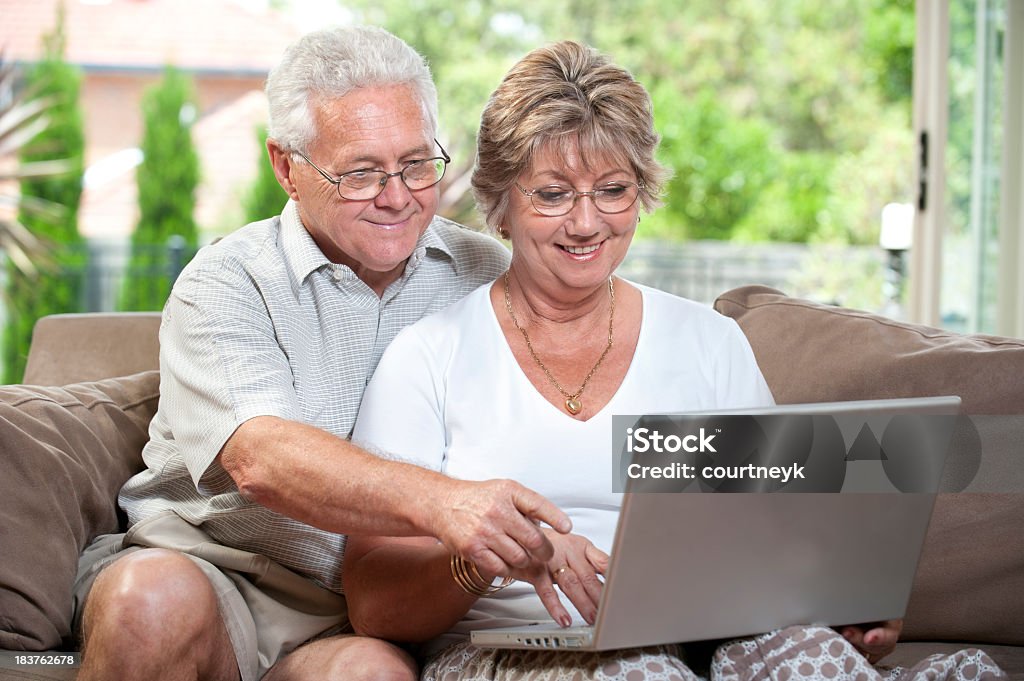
[(503, 233)]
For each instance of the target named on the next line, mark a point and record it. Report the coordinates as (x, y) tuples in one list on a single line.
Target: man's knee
[(151, 590), (153, 614), (353, 658), (371, 658)]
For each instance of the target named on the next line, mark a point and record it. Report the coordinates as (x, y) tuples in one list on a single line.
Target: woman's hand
[(577, 567), (874, 641)]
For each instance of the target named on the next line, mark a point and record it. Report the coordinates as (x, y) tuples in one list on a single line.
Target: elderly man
[(231, 568)]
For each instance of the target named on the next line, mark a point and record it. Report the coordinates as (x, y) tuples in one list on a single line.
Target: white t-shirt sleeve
[(739, 382), (402, 412)]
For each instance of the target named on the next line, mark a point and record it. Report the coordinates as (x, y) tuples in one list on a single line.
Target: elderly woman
[(520, 380)]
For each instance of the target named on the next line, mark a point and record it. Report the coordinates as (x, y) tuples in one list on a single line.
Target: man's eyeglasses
[(364, 184), (610, 198)]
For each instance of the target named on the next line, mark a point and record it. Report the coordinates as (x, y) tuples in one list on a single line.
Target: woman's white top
[(448, 394)]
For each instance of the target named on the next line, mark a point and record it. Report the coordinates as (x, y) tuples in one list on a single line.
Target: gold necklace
[(572, 401)]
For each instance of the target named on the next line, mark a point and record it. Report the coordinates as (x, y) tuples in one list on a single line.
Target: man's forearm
[(325, 481), (310, 475)]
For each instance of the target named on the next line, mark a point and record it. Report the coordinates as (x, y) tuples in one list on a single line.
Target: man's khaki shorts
[(268, 609)]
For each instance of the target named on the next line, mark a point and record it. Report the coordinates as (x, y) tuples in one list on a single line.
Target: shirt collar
[(301, 253), (304, 257)]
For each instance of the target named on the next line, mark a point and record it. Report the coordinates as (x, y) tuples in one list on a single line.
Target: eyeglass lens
[(611, 198), (367, 184)]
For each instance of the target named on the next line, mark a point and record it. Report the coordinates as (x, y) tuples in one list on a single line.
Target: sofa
[(73, 432)]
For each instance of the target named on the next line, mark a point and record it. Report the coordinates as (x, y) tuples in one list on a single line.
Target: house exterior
[(122, 48)]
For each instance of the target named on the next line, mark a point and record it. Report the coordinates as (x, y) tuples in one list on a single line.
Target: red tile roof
[(218, 35), (232, 45)]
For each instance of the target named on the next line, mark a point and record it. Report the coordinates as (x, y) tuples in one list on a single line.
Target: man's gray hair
[(329, 64)]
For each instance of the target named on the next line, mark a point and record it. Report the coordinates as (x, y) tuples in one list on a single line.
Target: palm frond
[(22, 118)]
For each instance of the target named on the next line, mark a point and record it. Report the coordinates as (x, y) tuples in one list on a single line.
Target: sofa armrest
[(79, 347)]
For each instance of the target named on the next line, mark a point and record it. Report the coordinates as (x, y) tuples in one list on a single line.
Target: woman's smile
[(583, 253)]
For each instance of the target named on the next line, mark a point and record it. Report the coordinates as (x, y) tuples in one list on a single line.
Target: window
[(969, 72)]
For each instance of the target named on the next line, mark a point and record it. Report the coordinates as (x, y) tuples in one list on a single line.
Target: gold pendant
[(573, 405)]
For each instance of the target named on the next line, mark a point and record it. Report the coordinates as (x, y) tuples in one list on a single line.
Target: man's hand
[(874, 641), (495, 524)]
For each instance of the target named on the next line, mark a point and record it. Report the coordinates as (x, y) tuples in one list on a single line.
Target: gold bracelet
[(468, 577), (491, 586), (462, 578)]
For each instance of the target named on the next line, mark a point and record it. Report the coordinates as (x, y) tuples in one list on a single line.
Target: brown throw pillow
[(810, 352), (970, 581), (64, 454)]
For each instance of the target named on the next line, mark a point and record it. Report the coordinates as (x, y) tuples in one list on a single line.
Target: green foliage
[(265, 197), (792, 205), (889, 43), (720, 163), (54, 285), (63, 138), (167, 181), (786, 147)]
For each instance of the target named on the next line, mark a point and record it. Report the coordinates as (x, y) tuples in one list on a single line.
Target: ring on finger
[(557, 573)]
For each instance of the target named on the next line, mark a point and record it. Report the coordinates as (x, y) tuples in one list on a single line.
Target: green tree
[(167, 179), (793, 203), (819, 85), (55, 284), (265, 197), (889, 44), (720, 165)]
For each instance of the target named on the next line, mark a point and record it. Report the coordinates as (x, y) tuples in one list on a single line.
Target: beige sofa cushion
[(65, 452), (970, 581), (88, 346)]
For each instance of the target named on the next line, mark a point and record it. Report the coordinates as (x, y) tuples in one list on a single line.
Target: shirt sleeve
[(740, 383), (221, 365), (402, 412)]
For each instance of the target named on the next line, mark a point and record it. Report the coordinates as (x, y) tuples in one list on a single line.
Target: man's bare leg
[(348, 657), (153, 615)]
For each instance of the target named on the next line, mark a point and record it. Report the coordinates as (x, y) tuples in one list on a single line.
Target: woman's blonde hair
[(572, 97)]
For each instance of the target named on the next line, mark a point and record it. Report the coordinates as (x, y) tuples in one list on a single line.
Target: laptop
[(700, 566)]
